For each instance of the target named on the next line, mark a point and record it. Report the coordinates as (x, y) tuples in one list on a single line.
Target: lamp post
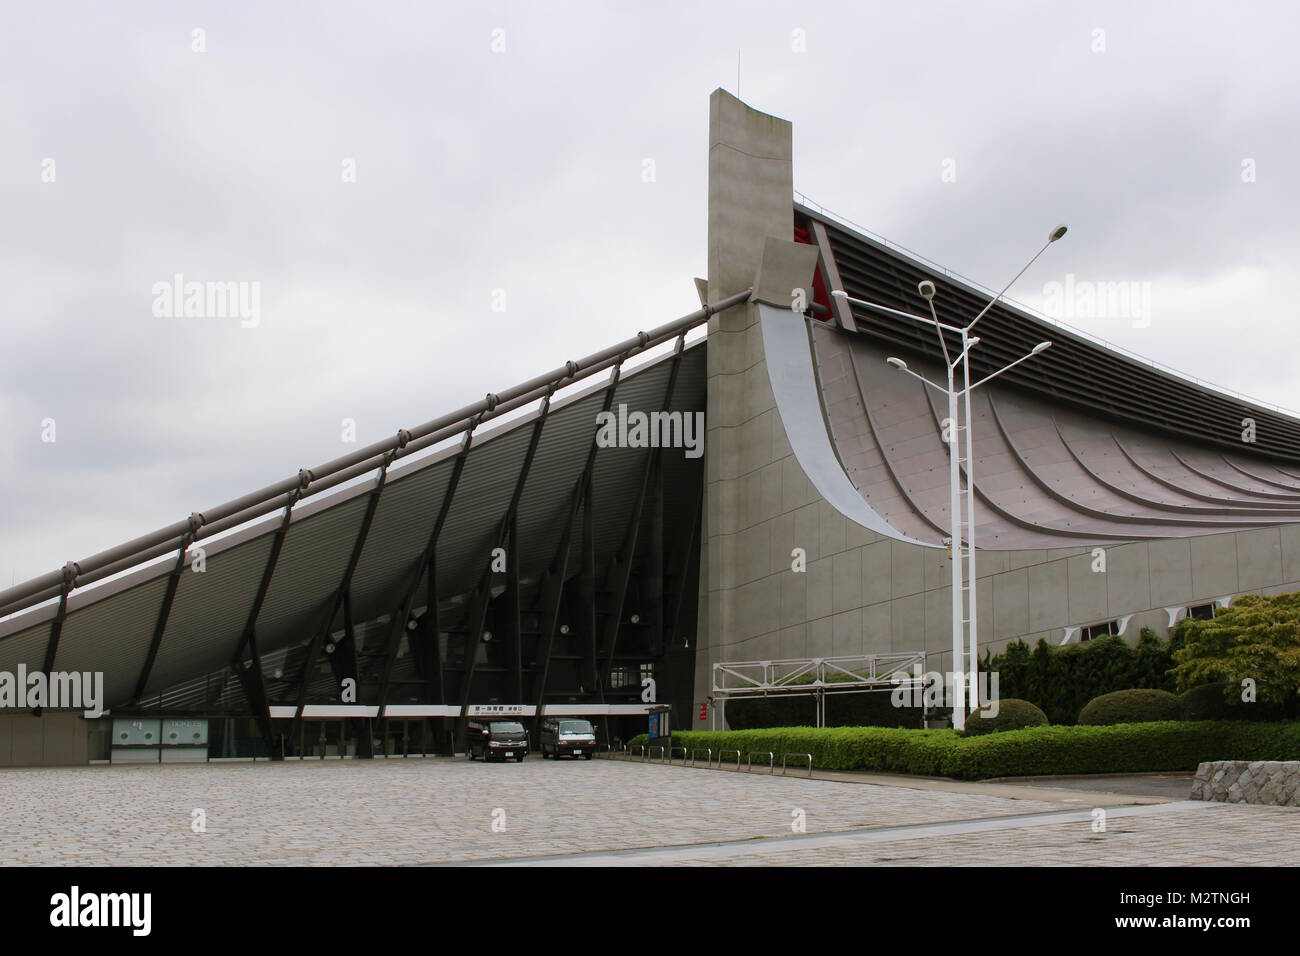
[(926, 289)]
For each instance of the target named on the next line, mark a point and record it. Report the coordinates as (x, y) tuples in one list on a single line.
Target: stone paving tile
[(418, 811), (1212, 834)]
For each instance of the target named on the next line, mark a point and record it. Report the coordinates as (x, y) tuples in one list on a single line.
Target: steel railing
[(708, 755), (771, 760), (786, 757)]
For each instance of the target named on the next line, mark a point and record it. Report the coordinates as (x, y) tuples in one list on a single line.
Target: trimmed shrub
[(1138, 706), (1062, 680), (1032, 751), (1012, 715)]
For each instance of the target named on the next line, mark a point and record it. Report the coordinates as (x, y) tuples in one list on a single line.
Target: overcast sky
[(962, 131)]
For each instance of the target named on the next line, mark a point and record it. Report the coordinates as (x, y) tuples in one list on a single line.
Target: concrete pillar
[(751, 189)]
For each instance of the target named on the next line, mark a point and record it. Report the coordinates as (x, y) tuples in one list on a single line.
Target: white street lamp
[(926, 289)]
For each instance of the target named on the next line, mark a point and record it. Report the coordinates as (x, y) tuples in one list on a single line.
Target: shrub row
[(1033, 751), (1061, 680)]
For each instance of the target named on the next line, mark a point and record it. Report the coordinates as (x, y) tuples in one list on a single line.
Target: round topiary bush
[(1138, 706), (1012, 714)]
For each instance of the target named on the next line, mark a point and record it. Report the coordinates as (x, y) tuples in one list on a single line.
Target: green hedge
[(1061, 680), (1122, 748), (1012, 715), (1130, 707)]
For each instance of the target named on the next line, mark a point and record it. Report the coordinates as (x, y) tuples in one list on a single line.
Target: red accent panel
[(820, 294)]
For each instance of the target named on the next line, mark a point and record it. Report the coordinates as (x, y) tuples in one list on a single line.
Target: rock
[(1266, 782)]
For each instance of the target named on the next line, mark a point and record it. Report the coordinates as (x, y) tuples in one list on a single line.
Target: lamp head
[(898, 363), (973, 341), (926, 288), (840, 293), (1057, 233), (1041, 347)]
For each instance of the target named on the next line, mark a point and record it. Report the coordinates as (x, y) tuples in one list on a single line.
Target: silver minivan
[(568, 737)]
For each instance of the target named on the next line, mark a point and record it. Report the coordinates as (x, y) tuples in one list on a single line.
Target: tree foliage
[(1256, 639)]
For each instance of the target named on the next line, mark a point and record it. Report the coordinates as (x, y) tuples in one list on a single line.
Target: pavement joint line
[(1049, 790), (854, 837)]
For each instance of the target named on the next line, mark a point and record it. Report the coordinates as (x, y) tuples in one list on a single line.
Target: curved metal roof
[(165, 625), (1076, 373), (1046, 475)]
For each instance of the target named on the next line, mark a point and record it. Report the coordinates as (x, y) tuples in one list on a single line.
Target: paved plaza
[(430, 811)]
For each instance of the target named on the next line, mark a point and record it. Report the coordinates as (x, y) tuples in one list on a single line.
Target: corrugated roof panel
[(113, 636), (557, 467), (618, 471), (309, 571), (486, 484), (209, 611), (26, 647), (399, 533)]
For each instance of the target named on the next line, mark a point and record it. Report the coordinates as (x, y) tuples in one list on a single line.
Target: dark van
[(496, 740), (568, 737)]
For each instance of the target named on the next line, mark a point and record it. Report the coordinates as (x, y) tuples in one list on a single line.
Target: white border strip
[(422, 710), (335, 711), (596, 710)]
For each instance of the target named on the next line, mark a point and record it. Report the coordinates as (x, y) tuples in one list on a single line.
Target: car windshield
[(507, 727), (575, 727)]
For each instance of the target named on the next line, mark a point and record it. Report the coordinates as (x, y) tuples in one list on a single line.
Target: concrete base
[(51, 740)]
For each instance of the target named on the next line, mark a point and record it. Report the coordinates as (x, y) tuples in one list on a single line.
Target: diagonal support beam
[(427, 563), (247, 638), (483, 593), (313, 648), (556, 573), (264, 585), (427, 648), (514, 612), (56, 631), (474, 622), (552, 590), (393, 639), (620, 570), (164, 611), (652, 583), (253, 683), (587, 600), (682, 565)]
